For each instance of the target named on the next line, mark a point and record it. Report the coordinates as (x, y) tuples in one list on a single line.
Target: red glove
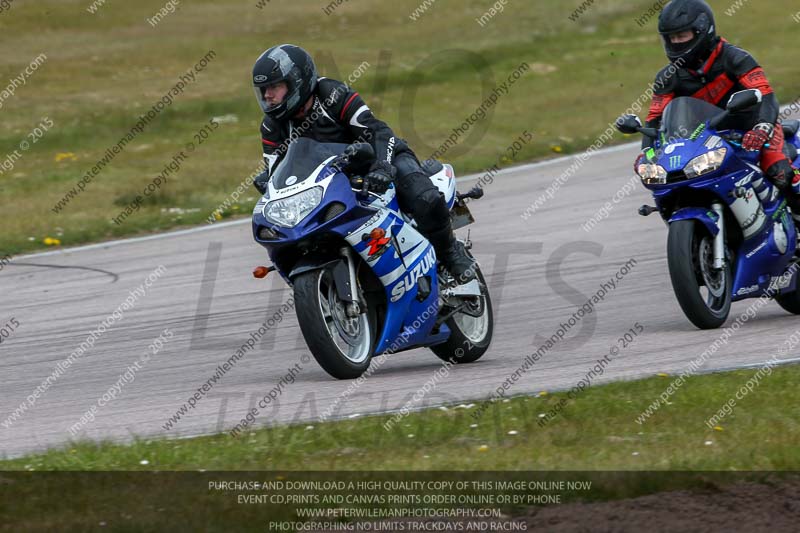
[(755, 139)]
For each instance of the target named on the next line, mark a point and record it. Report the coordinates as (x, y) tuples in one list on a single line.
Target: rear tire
[(323, 320), (470, 336), (690, 260)]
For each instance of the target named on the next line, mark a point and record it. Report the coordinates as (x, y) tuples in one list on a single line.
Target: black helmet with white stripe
[(292, 65)]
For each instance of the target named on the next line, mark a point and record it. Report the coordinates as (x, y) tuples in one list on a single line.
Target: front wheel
[(703, 293), (342, 345), (790, 301), (471, 326)]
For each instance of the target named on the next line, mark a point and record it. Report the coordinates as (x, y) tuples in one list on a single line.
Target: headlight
[(703, 164), (652, 174), (288, 212)]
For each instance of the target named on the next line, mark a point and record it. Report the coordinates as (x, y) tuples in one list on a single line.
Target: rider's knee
[(430, 199), (780, 174), (430, 209)]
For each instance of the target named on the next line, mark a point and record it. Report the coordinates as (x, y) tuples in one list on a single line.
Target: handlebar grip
[(360, 184), (738, 144)]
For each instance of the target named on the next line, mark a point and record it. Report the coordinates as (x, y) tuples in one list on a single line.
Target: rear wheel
[(471, 326), (342, 345), (703, 293)]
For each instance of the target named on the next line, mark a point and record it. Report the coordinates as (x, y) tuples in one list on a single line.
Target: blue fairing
[(353, 215), (767, 242), (406, 258), (399, 264), (704, 216)]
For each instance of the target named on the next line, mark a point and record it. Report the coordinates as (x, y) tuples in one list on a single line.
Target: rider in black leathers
[(297, 103)]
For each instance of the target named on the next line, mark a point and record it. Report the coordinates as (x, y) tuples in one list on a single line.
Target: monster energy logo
[(675, 161), (780, 212)]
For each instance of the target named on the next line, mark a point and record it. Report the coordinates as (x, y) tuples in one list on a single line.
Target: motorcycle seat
[(790, 127), (431, 167)]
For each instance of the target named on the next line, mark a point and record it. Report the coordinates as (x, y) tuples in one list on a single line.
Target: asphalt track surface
[(539, 271)]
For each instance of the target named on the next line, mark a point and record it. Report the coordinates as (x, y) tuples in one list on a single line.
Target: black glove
[(260, 181), (380, 177)]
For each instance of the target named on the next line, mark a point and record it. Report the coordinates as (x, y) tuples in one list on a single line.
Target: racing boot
[(786, 178), (452, 254), (793, 200)]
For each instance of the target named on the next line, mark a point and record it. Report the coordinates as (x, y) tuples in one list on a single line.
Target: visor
[(686, 51), (265, 107)]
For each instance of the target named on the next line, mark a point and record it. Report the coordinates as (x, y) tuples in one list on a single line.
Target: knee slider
[(781, 174)]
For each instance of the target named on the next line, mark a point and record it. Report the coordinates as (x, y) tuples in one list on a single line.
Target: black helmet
[(290, 64), (693, 15)]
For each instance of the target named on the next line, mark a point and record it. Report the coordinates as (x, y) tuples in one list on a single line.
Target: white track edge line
[(188, 231), (507, 170)]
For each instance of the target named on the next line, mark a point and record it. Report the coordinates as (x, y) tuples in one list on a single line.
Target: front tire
[(703, 293), (790, 301), (471, 331), (341, 345)]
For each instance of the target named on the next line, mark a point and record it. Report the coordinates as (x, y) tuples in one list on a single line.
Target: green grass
[(596, 431), (104, 69), (595, 438)]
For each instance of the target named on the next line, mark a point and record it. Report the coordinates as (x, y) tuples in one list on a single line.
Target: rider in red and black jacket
[(297, 103), (708, 67)]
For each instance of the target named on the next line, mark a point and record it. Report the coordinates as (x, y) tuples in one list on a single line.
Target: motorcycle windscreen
[(683, 115), (302, 158)]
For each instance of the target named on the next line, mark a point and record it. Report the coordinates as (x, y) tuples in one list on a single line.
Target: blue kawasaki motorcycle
[(365, 281), (731, 234)]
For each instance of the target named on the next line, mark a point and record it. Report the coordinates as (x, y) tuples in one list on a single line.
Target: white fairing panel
[(445, 181)]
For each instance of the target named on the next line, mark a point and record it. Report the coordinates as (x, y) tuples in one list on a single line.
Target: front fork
[(719, 240), (353, 309)]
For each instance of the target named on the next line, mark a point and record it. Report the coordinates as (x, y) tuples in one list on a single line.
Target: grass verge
[(596, 431), (105, 69), (595, 439)]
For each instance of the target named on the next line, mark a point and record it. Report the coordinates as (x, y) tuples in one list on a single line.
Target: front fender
[(705, 216), (341, 275), (310, 263)]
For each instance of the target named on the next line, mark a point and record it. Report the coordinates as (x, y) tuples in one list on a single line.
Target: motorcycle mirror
[(629, 124), (744, 100)]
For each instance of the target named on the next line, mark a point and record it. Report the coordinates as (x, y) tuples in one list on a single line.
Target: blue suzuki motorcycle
[(365, 281), (731, 235)]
